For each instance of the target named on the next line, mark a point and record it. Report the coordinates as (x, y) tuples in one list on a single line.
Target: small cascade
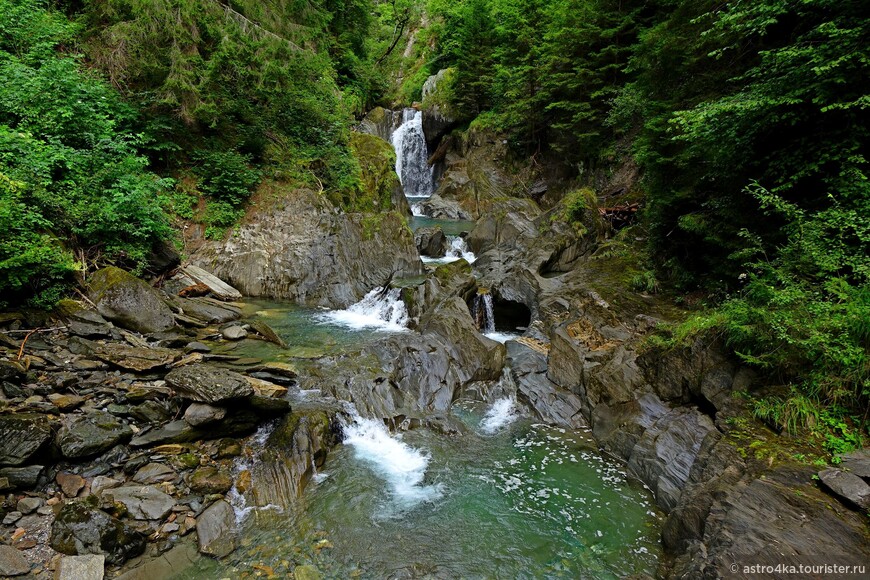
[(400, 465), (482, 312), (380, 309), (459, 249), (412, 156), (245, 463), (502, 413)]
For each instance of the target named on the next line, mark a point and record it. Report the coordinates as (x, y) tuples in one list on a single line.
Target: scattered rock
[(214, 527), (133, 358), (12, 563), (202, 414), (847, 486), (197, 347), (90, 434), (128, 301), (80, 529), (101, 483), (22, 435), (90, 567), (143, 502), (11, 518), (70, 483), (307, 572), (857, 462), (228, 448), (209, 479), (206, 383), (66, 403), (154, 473), (266, 389), (28, 505)]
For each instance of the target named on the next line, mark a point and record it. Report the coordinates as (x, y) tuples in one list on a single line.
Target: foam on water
[(503, 412), (457, 249), (400, 465), (502, 337), (377, 310)]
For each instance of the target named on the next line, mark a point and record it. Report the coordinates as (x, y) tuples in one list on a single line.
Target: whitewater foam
[(502, 413), (400, 465)]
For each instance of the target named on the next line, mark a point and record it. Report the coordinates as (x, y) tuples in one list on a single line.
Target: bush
[(225, 176)]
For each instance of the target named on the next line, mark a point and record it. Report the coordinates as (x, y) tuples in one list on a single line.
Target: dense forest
[(749, 122)]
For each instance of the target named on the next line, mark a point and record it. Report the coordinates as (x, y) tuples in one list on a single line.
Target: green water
[(527, 502), (299, 327), (449, 227)]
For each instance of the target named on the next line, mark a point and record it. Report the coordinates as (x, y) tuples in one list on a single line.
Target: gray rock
[(22, 477), (234, 333), (90, 434), (11, 518), (431, 242), (128, 301), (214, 528), (102, 483), (90, 567), (143, 502), (201, 414), (22, 435), (209, 479), (171, 564), (28, 505), (205, 383), (81, 529), (154, 473), (847, 486), (12, 563), (197, 347), (217, 286), (857, 462)]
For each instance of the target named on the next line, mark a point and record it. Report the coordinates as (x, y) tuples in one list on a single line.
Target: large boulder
[(849, 487), (21, 436), (381, 189), (79, 528), (12, 563), (90, 434), (380, 122), (303, 249), (128, 301), (431, 242), (206, 383)]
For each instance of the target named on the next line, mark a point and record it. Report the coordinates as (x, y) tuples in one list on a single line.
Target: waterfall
[(482, 312), (403, 467), (412, 157), (459, 249), (378, 310), (503, 412)]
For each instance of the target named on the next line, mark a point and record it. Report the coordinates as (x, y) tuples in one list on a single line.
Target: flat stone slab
[(12, 563), (217, 286), (857, 462), (214, 528), (21, 436), (143, 502), (90, 567), (206, 383), (847, 486)]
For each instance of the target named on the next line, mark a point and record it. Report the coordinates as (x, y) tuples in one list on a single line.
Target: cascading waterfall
[(503, 412), (403, 467), (379, 309), (412, 157), (482, 312), (458, 249)]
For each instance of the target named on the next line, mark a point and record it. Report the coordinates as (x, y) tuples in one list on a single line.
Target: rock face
[(381, 189), (380, 122), (205, 383), (90, 434), (82, 529), (295, 448), (21, 436), (214, 528), (128, 301), (303, 250)]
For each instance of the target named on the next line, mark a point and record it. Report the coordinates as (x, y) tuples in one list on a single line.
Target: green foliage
[(219, 216), (225, 176), (69, 162)]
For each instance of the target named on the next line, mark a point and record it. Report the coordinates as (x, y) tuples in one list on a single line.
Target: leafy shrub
[(225, 176)]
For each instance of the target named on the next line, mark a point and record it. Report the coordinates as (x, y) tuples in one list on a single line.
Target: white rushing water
[(377, 310), (503, 412), (412, 156), (457, 249), (400, 465), (502, 337), (483, 314)]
